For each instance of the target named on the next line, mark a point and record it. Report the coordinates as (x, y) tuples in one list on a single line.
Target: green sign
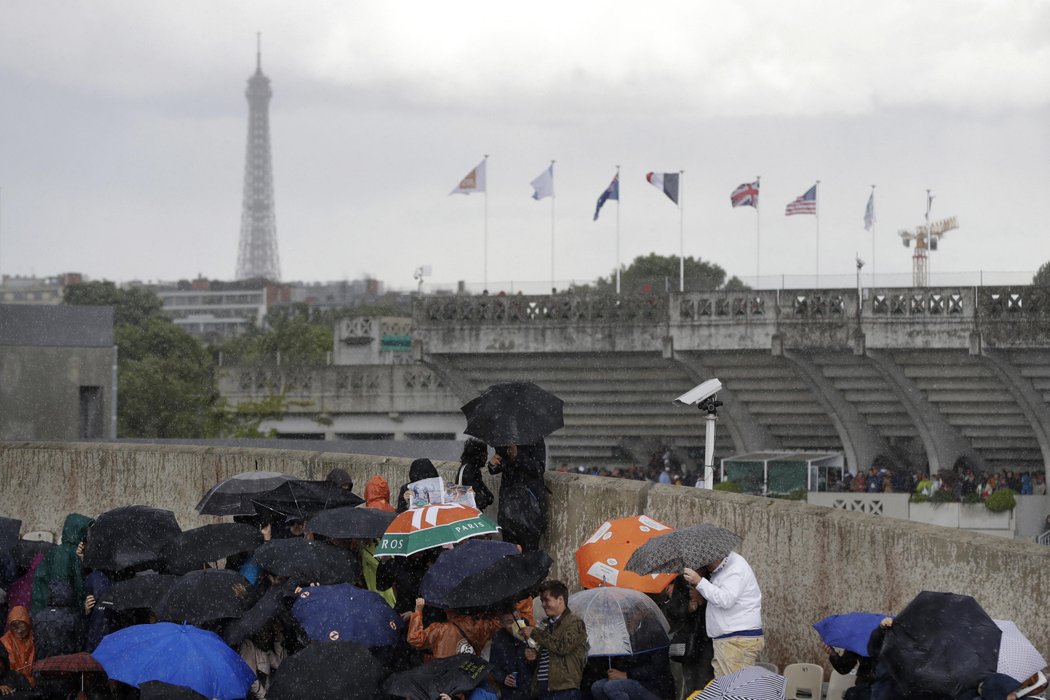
[(396, 343)]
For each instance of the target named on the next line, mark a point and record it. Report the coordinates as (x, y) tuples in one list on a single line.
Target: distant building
[(385, 340), (334, 295), (213, 310), (36, 290), (57, 372)]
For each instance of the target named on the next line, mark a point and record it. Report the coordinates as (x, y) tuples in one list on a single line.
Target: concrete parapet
[(810, 561)]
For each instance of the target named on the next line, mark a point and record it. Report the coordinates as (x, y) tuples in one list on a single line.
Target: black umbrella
[(499, 584), (513, 413), (303, 499), (194, 548), (26, 550), (156, 690), (941, 643), (272, 603), (328, 670), (234, 495), (142, 591), (9, 529), (313, 562), (129, 536), (351, 522), (454, 674), (202, 596)]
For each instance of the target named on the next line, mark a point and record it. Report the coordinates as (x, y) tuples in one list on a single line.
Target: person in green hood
[(63, 563)]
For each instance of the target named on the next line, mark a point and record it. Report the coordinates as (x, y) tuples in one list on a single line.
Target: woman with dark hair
[(522, 512), (475, 454)]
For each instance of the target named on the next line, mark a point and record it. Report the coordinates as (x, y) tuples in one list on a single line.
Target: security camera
[(699, 393)]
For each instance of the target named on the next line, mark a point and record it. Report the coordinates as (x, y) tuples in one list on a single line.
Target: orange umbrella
[(432, 526), (602, 559)]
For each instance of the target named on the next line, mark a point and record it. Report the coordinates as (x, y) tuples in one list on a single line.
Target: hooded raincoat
[(61, 563)]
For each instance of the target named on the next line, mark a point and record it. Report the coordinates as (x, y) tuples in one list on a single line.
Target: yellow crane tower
[(926, 237)]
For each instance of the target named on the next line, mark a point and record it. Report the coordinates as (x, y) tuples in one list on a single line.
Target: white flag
[(473, 182), (544, 184)]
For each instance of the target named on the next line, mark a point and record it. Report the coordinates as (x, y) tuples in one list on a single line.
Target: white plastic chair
[(40, 536), (838, 684), (804, 681)]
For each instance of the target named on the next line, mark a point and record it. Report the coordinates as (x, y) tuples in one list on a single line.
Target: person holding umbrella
[(734, 612), (522, 512), (63, 563), (563, 646)]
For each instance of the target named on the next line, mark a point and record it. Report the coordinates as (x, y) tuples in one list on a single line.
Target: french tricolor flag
[(666, 182)]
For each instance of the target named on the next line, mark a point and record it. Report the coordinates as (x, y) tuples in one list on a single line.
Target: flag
[(869, 212), (611, 192), (806, 204), (929, 204), (666, 182), (745, 196), (473, 182), (544, 183)]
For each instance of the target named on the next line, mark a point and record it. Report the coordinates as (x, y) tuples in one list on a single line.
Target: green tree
[(165, 384), (300, 335), (660, 272), (1042, 276), (130, 306)]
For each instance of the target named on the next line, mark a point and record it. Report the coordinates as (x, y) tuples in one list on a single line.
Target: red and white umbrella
[(433, 526)]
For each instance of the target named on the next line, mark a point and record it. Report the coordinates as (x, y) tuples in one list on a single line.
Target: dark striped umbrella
[(694, 547), (751, 683)]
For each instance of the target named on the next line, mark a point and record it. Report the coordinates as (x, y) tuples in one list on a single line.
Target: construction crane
[(926, 237)]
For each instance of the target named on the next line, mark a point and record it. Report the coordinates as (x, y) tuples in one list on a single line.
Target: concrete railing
[(810, 561)]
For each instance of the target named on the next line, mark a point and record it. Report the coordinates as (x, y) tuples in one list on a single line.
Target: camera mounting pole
[(710, 406)]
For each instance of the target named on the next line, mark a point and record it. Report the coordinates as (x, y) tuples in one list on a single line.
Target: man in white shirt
[(734, 612)]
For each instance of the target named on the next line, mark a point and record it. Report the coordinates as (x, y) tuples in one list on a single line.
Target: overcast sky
[(123, 125)]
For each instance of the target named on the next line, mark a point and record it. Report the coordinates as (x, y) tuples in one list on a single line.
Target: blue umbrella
[(175, 654), (849, 631), (454, 565), (344, 613)]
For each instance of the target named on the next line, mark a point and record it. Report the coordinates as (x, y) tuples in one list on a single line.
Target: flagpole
[(486, 218), (681, 232), (617, 230), (873, 222), (816, 216), (758, 232), (552, 226)]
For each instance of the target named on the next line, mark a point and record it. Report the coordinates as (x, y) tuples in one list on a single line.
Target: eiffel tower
[(257, 254)]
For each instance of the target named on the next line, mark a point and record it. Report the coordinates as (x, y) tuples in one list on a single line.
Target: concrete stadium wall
[(810, 561)]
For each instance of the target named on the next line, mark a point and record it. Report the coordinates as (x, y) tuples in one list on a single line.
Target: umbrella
[(601, 559), (941, 643), (202, 596), (234, 495), (500, 584), (332, 671), (454, 674), (453, 565), (194, 548), (81, 662), (302, 499), (346, 613), (156, 690), (513, 413), (351, 522), (9, 529), (620, 621), (425, 528), (1018, 657), (694, 547), (141, 591), (314, 562), (176, 654), (849, 631), (26, 550), (269, 606), (129, 536), (750, 683)]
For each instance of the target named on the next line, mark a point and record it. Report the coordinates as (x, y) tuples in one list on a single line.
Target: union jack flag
[(745, 196)]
